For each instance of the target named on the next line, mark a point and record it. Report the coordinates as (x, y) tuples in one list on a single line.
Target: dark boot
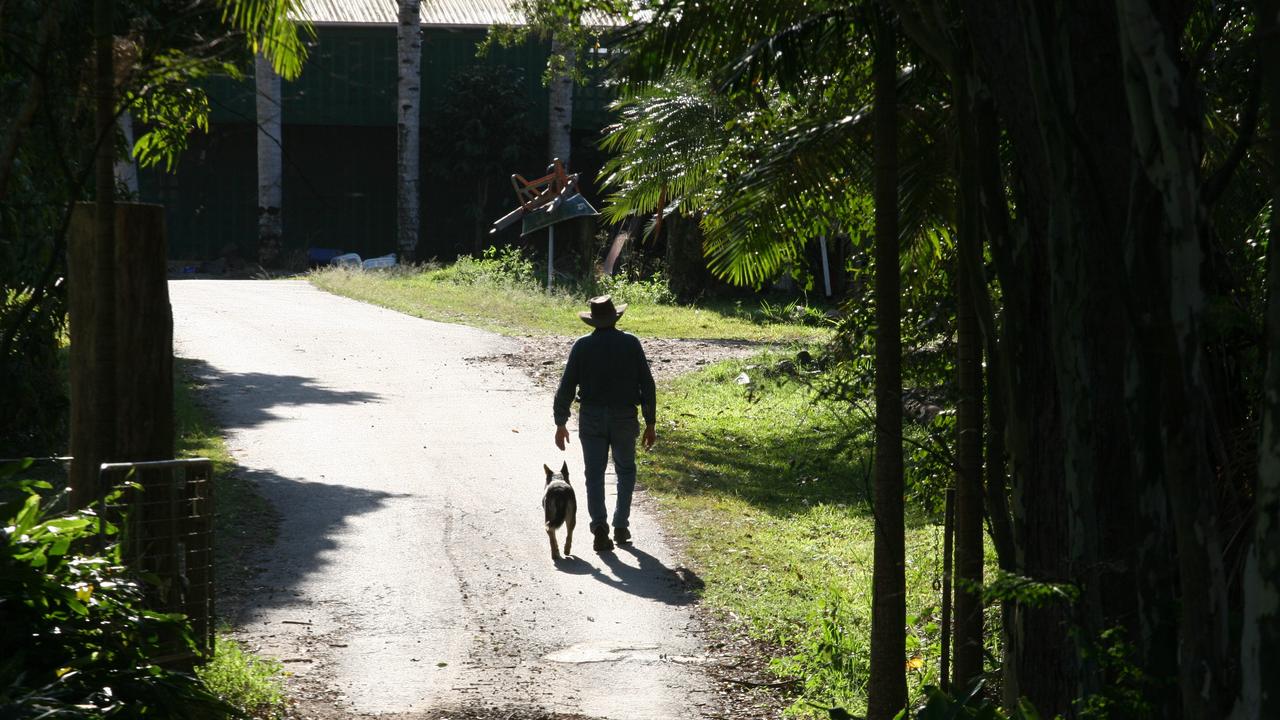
[(602, 541), (622, 536)]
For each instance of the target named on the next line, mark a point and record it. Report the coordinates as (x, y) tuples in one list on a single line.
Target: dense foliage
[(78, 642), (1099, 183)]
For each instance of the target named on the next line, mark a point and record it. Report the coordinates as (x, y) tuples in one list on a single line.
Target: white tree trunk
[(1260, 697), (126, 168), (270, 164), (408, 110), (560, 122)]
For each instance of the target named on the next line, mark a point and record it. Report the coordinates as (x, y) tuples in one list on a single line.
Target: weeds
[(497, 266), (251, 683)]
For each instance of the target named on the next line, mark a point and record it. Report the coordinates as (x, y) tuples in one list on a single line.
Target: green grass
[(520, 308), (249, 682), (776, 514), (243, 521)]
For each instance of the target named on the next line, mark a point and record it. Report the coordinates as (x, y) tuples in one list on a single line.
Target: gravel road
[(411, 575)]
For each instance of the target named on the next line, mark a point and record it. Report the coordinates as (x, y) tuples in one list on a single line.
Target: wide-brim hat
[(603, 312)]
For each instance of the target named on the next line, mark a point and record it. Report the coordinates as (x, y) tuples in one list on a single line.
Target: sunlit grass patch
[(516, 307), (247, 681), (769, 488)]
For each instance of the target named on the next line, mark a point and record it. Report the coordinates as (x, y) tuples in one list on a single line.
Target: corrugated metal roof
[(443, 13)]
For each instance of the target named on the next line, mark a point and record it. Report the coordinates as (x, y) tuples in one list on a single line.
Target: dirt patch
[(543, 357)]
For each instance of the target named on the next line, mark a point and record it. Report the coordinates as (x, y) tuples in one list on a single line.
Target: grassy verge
[(769, 488), (249, 682), (243, 521), (518, 306)]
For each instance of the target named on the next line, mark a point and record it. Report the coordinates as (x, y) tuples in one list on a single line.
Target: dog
[(560, 506)]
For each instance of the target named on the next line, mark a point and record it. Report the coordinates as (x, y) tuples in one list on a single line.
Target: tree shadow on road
[(306, 534), (245, 400), (649, 579)]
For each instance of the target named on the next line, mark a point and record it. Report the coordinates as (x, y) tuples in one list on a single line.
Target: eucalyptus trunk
[(126, 168), (408, 128), (270, 162), (887, 684), (1103, 301), (560, 113), (1260, 665)]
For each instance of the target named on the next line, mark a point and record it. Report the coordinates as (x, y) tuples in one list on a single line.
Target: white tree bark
[(560, 122), (126, 168), (408, 112), (270, 162), (1260, 697)]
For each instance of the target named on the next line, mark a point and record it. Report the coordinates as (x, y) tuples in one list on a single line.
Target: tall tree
[(1259, 695), (560, 110), (969, 423), (887, 684), (408, 128), (270, 110), (126, 170), (98, 447)]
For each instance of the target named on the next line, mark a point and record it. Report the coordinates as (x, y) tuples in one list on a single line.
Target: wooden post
[(90, 444), (551, 256), (137, 423), (144, 336), (826, 267)]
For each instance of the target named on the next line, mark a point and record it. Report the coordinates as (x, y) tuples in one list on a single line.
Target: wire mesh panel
[(166, 526)]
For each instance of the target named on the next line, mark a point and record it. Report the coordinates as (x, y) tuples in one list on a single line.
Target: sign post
[(544, 203)]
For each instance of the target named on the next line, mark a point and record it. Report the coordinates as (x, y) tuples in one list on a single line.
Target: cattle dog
[(560, 507)]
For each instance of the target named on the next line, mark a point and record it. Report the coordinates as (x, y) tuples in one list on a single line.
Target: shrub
[(77, 642), (499, 266), (651, 291)]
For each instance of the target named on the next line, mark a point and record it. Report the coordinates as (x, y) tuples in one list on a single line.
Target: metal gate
[(166, 526)]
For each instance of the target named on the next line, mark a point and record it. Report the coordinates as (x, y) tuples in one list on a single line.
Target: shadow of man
[(649, 578)]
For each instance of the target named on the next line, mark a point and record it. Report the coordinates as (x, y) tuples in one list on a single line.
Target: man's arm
[(648, 401), (564, 397)]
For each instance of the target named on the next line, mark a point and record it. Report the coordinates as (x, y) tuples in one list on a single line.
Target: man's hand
[(649, 438), (562, 436)]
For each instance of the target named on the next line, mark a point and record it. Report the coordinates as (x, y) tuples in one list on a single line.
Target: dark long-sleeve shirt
[(607, 368)]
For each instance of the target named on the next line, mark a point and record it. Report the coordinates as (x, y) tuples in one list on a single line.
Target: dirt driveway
[(411, 575)]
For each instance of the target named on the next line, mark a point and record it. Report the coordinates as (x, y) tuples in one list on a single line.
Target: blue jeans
[(600, 430)]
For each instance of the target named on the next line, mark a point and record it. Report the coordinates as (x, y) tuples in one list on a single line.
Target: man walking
[(609, 371)]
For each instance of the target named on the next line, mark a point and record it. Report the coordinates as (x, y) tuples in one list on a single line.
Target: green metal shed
[(339, 137)]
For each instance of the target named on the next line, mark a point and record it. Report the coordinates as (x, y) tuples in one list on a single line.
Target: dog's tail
[(558, 505)]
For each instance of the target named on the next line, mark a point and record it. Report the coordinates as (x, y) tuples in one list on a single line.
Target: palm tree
[(887, 685), (795, 156), (408, 127)]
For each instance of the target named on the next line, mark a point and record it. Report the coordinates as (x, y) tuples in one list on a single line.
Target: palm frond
[(706, 37), (274, 29), (668, 146)]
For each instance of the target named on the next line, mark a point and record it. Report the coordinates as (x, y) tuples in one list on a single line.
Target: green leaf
[(27, 516)]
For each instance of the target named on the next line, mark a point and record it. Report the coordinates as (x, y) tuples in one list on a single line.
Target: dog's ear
[(549, 473), (564, 470)]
